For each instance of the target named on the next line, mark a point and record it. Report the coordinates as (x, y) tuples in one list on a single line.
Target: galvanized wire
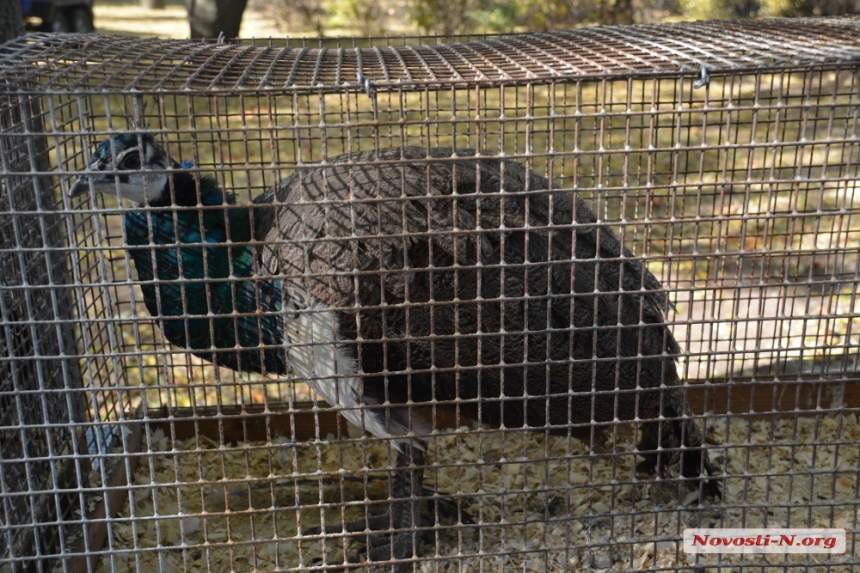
[(98, 63), (736, 187)]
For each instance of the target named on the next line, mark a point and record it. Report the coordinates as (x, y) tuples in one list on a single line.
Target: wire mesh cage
[(556, 297)]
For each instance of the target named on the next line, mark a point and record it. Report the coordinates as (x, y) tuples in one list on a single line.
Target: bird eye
[(131, 161)]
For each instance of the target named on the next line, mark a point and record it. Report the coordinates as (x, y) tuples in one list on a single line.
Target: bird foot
[(393, 535), (712, 482), (382, 539), (443, 508)]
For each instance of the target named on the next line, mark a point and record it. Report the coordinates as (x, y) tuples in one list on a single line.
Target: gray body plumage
[(468, 281)]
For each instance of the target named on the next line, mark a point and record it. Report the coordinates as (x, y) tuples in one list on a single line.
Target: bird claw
[(398, 546), (712, 481), (402, 527), (393, 535), (440, 507), (448, 509)]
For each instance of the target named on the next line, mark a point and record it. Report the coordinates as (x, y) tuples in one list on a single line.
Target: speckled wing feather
[(359, 214), (475, 279)]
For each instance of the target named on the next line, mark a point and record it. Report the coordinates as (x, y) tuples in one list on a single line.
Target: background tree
[(11, 20), (208, 18), (818, 7), (447, 17), (152, 4), (466, 16), (366, 16)]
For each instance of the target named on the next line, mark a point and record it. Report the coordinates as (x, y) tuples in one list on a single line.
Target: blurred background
[(263, 18)]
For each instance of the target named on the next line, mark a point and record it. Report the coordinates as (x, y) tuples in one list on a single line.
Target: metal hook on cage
[(704, 78), (7, 300), (140, 109), (222, 39), (364, 82)]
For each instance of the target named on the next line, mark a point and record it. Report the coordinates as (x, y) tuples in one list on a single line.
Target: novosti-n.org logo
[(785, 540)]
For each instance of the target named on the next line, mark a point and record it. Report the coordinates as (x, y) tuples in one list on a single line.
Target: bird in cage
[(402, 277)]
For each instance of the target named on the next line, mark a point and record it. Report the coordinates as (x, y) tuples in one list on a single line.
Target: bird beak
[(81, 186)]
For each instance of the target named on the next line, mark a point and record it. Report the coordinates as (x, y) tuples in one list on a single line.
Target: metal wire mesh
[(36, 382), (723, 155)]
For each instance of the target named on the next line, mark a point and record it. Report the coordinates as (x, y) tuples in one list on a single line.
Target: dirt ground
[(127, 17)]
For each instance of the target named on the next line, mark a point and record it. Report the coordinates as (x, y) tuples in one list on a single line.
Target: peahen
[(397, 277)]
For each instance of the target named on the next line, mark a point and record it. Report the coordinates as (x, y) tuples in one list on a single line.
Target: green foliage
[(793, 8), (733, 9), (328, 17), (498, 17), (721, 9), (297, 15), (449, 17), (445, 17), (363, 16), (467, 16)]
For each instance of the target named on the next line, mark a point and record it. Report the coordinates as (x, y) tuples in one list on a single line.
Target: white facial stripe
[(142, 185), (122, 155), (154, 185), (149, 154)]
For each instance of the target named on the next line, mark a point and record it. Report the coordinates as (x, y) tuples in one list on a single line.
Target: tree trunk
[(618, 13), (40, 386), (11, 20), (209, 18)]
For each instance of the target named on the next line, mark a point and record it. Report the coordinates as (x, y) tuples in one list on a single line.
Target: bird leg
[(668, 435), (400, 523)]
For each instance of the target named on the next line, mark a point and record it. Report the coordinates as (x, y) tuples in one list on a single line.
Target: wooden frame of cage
[(255, 422)]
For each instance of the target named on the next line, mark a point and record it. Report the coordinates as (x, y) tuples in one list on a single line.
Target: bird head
[(131, 165)]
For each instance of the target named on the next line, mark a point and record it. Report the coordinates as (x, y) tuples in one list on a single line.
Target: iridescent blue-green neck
[(203, 292)]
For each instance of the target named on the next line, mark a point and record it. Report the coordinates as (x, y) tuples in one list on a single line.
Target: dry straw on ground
[(556, 509)]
